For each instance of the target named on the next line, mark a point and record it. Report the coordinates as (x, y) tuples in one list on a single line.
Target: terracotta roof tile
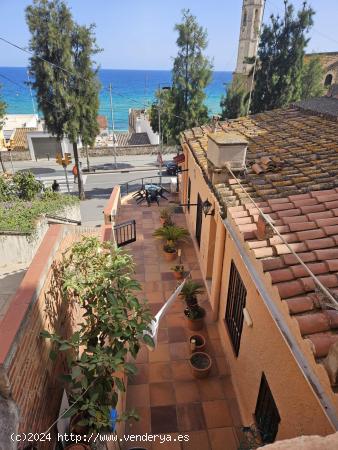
[(322, 343), (302, 226), (310, 234), (299, 305), (325, 254), (313, 323), (312, 209), (272, 264), (316, 244)]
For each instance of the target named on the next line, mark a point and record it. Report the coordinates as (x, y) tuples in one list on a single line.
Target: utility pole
[(160, 134), (112, 121), (30, 90)]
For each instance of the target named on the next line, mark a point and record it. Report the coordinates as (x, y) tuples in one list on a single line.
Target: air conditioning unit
[(227, 149)]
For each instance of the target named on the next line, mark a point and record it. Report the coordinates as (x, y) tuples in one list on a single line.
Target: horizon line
[(131, 70)]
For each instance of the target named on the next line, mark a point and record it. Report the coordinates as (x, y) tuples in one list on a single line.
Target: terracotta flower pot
[(199, 343), (200, 364), (170, 256), (162, 220), (178, 275), (195, 324)]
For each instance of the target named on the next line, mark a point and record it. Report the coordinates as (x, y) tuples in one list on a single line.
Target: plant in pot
[(193, 312), (197, 343), (178, 271), (171, 234), (166, 216), (98, 277), (200, 364)]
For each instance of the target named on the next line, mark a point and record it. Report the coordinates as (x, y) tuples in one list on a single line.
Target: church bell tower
[(252, 16)]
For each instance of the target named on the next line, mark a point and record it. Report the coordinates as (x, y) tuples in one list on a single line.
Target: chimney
[(227, 150)]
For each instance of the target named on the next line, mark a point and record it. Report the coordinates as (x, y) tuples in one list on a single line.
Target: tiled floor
[(164, 392)]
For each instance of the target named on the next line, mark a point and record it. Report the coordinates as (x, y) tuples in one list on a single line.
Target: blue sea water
[(131, 89)]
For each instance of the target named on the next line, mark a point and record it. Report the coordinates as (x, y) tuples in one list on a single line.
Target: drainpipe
[(279, 319), (218, 262)]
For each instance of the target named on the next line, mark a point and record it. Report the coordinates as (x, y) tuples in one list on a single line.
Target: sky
[(139, 34)]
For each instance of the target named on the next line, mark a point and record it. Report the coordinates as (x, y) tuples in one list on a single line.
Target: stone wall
[(17, 155), (131, 150), (21, 247)]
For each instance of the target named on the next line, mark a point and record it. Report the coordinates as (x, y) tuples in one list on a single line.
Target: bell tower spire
[(252, 16)]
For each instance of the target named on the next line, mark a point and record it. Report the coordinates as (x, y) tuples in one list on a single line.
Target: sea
[(130, 89)]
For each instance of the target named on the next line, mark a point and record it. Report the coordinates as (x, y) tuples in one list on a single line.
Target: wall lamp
[(206, 207)]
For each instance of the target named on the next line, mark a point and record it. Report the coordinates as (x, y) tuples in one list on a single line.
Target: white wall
[(142, 125)]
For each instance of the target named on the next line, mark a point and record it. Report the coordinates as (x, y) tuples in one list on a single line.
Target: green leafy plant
[(189, 293), (172, 234), (98, 277), (178, 268), (166, 216)]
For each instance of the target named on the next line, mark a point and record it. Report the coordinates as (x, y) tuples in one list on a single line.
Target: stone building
[(329, 62)]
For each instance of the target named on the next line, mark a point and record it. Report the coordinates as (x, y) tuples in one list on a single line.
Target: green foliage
[(68, 88), (178, 268), (2, 115), (312, 79), (21, 216), (190, 291), (26, 185), (233, 104), (183, 105), (172, 234), (98, 277), (279, 74)]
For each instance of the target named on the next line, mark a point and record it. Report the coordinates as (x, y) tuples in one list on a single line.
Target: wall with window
[(262, 348)]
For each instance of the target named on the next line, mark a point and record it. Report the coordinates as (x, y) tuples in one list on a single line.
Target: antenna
[(112, 120)]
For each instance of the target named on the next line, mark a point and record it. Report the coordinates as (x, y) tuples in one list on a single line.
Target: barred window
[(189, 194), (266, 413), (234, 310)]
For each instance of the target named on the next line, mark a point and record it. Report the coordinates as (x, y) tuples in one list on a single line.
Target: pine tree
[(312, 79), (64, 79), (278, 79), (2, 115), (164, 104), (184, 106), (234, 103)]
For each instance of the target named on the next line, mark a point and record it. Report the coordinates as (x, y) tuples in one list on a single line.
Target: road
[(97, 186)]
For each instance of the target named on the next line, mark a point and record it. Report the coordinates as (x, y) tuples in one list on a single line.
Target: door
[(199, 220)]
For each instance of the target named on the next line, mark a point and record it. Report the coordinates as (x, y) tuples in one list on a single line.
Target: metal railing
[(63, 219), (125, 233), (139, 183)]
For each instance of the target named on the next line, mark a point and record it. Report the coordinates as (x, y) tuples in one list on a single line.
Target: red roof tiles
[(311, 230)]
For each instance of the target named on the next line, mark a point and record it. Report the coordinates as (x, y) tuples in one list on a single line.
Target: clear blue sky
[(138, 34)]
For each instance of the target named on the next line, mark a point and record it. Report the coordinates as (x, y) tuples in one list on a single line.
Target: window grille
[(234, 311), (266, 413)]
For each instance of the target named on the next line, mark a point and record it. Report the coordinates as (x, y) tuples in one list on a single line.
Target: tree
[(164, 104), (234, 103), (87, 87), (2, 115), (279, 73), (183, 105), (61, 66), (312, 79)]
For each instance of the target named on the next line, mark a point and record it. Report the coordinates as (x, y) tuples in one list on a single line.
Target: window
[(189, 194), (234, 310), (199, 219), (245, 19), (266, 413), (328, 80)]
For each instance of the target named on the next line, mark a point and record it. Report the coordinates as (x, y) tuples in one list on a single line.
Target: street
[(98, 185)]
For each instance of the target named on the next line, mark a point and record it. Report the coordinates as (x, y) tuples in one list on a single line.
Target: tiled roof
[(20, 138), (289, 152), (309, 223), (292, 175), (126, 139), (328, 106)]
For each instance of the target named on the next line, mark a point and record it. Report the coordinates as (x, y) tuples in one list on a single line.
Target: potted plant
[(197, 343), (193, 312), (171, 234), (98, 277), (200, 364), (178, 271), (166, 216)]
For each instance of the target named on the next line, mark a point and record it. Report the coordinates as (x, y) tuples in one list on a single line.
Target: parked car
[(171, 167)]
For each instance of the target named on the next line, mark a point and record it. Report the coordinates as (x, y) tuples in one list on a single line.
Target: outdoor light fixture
[(206, 206)]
